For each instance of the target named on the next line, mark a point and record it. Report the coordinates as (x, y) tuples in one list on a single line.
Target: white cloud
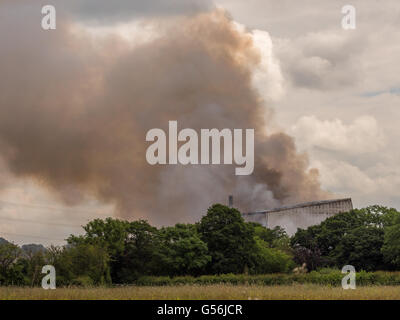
[(323, 60), (376, 185), (344, 178), (267, 77), (363, 135)]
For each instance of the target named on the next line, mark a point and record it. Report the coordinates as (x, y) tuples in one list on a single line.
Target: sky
[(336, 91), (341, 89)]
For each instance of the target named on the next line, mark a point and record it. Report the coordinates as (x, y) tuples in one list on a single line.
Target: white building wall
[(300, 216)]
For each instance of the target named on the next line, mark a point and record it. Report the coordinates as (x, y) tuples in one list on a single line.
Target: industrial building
[(301, 215)]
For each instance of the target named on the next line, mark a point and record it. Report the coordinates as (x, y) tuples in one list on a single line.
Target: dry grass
[(193, 292)]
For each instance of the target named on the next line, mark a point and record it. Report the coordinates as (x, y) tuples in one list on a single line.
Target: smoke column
[(74, 112)]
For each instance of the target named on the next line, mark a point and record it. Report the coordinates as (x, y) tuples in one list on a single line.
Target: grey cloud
[(289, 18), (106, 11), (322, 61)]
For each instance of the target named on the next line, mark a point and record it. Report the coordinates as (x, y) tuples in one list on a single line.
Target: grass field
[(194, 292)]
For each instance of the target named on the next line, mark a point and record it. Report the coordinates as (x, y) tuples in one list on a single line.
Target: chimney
[(230, 201)]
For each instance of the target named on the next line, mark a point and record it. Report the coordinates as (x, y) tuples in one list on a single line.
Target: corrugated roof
[(300, 205)]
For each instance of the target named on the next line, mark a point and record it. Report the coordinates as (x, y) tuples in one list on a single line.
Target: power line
[(35, 206), (30, 236), (40, 222)]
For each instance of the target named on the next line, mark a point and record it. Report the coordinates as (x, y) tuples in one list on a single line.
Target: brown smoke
[(74, 113)]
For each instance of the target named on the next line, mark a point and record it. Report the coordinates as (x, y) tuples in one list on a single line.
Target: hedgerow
[(331, 278)]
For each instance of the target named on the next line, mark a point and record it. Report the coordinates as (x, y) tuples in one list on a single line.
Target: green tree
[(270, 236), (138, 257), (90, 262), (270, 260), (32, 263), (230, 240), (181, 251), (361, 248), (391, 246), (10, 269), (109, 234), (58, 257), (80, 264), (9, 253), (348, 237)]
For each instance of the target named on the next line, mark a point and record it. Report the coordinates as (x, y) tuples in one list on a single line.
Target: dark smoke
[(74, 113)]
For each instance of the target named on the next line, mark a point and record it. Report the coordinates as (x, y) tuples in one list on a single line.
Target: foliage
[(354, 237), (361, 248), (9, 253), (391, 246), (110, 234), (181, 251), (80, 261), (137, 257), (310, 257), (330, 277), (221, 248), (270, 260), (229, 239), (10, 269), (32, 263)]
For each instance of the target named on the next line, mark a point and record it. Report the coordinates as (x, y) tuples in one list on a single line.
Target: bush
[(327, 277), (83, 281), (270, 260), (230, 240)]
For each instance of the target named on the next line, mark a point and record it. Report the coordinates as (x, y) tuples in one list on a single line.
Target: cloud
[(106, 11), (344, 178), (361, 136), (321, 61), (393, 91), (315, 75), (81, 129), (341, 89), (288, 18), (268, 78), (378, 184)]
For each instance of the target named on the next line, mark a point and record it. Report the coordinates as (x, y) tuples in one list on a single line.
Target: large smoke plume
[(74, 112)]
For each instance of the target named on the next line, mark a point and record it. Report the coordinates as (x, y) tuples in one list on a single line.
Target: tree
[(181, 251), (90, 262), (361, 248), (310, 257), (229, 239), (10, 269), (270, 236), (110, 234), (138, 257), (80, 264), (9, 253), (33, 262), (57, 257), (270, 260), (354, 237), (391, 246), (130, 246)]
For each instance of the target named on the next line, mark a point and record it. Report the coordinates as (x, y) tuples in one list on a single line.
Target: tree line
[(114, 251)]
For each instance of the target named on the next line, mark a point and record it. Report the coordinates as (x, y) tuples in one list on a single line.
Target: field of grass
[(196, 292)]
